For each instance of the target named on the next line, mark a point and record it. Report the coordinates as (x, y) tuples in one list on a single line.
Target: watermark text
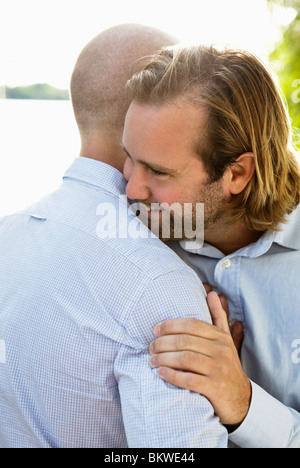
[(296, 94), (2, 352), (296, 353), (167, 222)]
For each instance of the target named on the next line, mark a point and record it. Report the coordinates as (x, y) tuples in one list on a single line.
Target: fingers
[(223, 299), (207, 287), (184, 360), (187, 380), (219, 315), (194, 327), (194, 335), (185, 326), (170, 343)]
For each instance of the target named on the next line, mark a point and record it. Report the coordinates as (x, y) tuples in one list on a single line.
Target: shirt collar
[(288, 236), (98, 174)]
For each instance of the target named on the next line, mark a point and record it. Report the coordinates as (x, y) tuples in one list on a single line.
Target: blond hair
[(245, 113)]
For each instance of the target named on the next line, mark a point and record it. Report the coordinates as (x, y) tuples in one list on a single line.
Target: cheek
[(166, 193)]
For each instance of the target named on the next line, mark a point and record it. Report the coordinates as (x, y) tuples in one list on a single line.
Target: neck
[(229, 240), (105, 150)]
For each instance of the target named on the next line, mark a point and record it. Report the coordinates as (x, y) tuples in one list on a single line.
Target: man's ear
[(241, 172)]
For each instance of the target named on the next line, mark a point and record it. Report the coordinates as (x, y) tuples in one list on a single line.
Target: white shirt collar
[(288, 236)]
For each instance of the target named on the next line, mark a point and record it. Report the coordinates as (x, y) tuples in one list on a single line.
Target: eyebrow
[(155, 167)]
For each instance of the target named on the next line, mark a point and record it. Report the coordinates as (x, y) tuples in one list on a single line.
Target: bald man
[(82, 285), (98, 86)]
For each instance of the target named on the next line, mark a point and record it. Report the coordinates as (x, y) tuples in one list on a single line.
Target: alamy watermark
[(296, 353), (296, 94), (168, 222), (2, 352)]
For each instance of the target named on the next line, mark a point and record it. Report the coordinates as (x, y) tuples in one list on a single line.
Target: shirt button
[(226, 263)]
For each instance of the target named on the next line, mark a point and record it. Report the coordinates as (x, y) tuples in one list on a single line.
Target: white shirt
[(77, 313), (262, 284)]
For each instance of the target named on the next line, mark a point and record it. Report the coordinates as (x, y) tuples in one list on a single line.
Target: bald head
[(100, 75)]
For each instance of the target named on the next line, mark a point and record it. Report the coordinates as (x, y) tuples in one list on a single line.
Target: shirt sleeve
[(155, 413), (269, 424)]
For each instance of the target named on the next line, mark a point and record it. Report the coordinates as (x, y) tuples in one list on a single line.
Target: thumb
[(218, 314)]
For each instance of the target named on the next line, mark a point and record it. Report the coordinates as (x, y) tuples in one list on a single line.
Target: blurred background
[(40, 41)]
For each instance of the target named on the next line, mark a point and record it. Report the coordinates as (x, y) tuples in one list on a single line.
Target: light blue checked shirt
[(76, 318), (262, 283)]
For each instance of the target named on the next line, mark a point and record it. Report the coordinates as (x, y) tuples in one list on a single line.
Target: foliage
[(37, 91), (286, 60), (287, 3)]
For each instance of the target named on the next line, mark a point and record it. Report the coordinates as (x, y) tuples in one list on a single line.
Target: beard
[(188, 220)]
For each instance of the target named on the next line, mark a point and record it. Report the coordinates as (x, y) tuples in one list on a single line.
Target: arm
[(267, 424), (210, 360), (155, 413)]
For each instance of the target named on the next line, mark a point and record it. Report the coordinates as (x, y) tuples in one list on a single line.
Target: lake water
[(38, 142)]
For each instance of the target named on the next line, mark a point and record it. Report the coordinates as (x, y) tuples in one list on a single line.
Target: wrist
[(244, 409), (241, 411)]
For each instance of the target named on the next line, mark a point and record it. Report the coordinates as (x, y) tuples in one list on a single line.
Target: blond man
[(210, 127)]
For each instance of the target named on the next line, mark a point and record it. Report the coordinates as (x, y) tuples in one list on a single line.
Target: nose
[(137, 187)]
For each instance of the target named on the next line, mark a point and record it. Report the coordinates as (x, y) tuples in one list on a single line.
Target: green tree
[(37, 91), (286, 60)]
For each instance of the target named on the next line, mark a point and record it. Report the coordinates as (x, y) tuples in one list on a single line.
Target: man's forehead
[(179, 122), (172, 106)]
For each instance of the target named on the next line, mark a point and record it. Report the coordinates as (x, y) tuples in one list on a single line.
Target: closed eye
[(156, 172)]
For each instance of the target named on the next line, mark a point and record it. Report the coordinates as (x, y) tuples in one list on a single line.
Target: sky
[(40, 40)]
